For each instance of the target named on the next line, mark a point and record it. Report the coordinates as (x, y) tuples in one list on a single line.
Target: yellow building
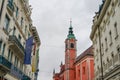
[(15, 28), (105, 36)]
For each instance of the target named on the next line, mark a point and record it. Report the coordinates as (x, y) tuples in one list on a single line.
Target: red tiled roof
[(88, 52)]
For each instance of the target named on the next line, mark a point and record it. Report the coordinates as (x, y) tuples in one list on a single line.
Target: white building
[(15, 28), (105, 36)]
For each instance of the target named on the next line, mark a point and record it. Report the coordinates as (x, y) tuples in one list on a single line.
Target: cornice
[(100, 18)]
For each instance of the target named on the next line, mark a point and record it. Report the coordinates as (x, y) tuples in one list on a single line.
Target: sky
[(52, 20)]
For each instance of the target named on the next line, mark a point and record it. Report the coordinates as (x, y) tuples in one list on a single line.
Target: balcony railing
[(26, 78), (16, 72), (5, 63), (16, 42), (10, 5)]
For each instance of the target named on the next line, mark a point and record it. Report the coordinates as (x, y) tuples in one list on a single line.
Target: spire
[(61, 63), (53, 71), (71, 35), (70, 29), (71, 23)]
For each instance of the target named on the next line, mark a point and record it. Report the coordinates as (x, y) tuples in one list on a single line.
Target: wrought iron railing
[(14, 39), (5, 62)]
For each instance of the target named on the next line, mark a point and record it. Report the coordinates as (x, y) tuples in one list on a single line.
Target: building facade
[(15, 28), (105, 36), (84, 65), (71, 70)]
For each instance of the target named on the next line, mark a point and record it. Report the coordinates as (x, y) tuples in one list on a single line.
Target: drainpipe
[(1, 8), (100, 54)]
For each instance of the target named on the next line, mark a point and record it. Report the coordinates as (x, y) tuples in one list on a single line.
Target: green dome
[(70, 35)]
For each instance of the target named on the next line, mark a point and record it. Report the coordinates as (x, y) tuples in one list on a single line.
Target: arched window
[(66, 46), (107, 60), (112, 55), (72, 45)]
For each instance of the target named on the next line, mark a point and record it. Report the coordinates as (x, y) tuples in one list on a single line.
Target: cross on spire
[(70, 22), (53, 71), (70, 29)]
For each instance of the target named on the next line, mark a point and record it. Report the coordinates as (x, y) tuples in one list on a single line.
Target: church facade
[(75, 68)]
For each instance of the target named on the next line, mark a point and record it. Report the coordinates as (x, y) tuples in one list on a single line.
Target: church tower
[(70, 54)]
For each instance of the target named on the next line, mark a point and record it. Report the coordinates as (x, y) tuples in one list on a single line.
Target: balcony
[(26, 78), (5, 65), (16, 45), (16, 72), (10, 7)]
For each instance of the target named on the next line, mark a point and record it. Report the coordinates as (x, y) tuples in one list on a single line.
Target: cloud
[(51, 17)]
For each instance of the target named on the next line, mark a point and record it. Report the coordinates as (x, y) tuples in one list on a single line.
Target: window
[(102, 48), (110, 34), (14, 29), (0, 44), (25, 29), (17, 12), (21, 21), (83, 70), (9, 51), (19, 38), (28, 35), (115, 30), (16, 61), (21, 65), (7, 21), (112, 55), (11, 56), (108, 60), (118, 48), (72, 45), (3, 49), (106, 44), (66, 46), (79, 73)]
